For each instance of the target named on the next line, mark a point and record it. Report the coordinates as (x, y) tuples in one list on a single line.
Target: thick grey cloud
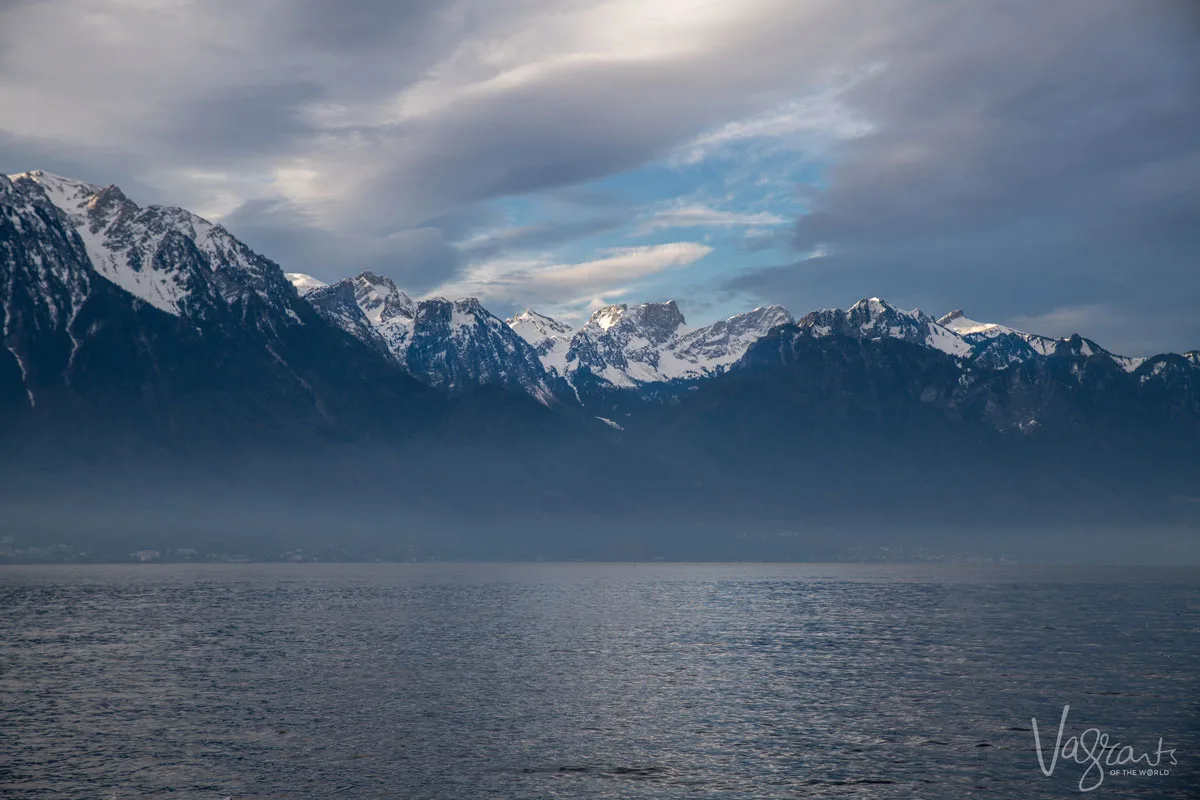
[(241, 123), (1038, 162), (418, 258), (341, 25)]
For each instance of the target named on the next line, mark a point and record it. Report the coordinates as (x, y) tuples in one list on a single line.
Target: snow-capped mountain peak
[(999, 346), (963, 325), (607, 316), (537, 324), (453, 344), (549, 338), (165, 256), (873, 318), (380, 300), (623, 346), (628, 346), (656, 322), (713, 348), (870, 306), (65, 193), (304, 283), (113, 249)]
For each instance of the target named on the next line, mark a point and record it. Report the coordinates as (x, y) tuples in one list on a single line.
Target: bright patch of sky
[(728, 201)]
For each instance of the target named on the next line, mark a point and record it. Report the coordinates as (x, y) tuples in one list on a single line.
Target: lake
[(595, 681)]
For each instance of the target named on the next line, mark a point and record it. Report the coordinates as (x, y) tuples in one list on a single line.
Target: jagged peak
[(111, 198), (374, 283), (667, 310), (657, 304), (67, 194), (1077, 345), (471, 304), (50, 179), (607, 316), (951, 317), (304, 283), (374, 279), (464, 305), (871, 306), (110, 193), (529, 315), (656, 321), (377, 296), (762, 311)]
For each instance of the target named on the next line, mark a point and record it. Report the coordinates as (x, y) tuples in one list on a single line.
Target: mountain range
[(144, 343)]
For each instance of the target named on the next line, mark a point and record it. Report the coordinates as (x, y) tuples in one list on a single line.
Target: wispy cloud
[(496, 241), (699, 216), (570, 288), (809, 124), (626, 263)]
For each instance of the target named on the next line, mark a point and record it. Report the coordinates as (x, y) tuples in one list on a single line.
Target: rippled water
[(621, 681)]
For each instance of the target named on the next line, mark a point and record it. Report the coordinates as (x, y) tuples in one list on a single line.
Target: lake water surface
[(590, 680)]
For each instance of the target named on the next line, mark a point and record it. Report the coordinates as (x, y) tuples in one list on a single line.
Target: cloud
[(492, 243), (1011, 156), (693, 216), (1018, 169), (568, 289), (626, 263), (417, 258), (392, 112), (810, 124)]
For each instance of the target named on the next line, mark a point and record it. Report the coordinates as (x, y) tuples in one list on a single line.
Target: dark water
[(621, 681)]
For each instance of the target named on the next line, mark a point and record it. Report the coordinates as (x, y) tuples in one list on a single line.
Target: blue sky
[(1033, 163), (728, 209)]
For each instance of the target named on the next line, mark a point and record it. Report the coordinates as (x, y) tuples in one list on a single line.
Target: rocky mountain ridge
[(145, 344)]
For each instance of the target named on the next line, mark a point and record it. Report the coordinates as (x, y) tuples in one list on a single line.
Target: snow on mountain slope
[(304, 283), (160, 316), (449, 344), (66, 241), (627, 346), (975, 331), (624, 346), (93, 211), (712, 349), (165, 256), (391, 312), (964, 326), (457, 344), (872, 318), (989, 344), (999, 346), (549, 338), (44, 280)]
